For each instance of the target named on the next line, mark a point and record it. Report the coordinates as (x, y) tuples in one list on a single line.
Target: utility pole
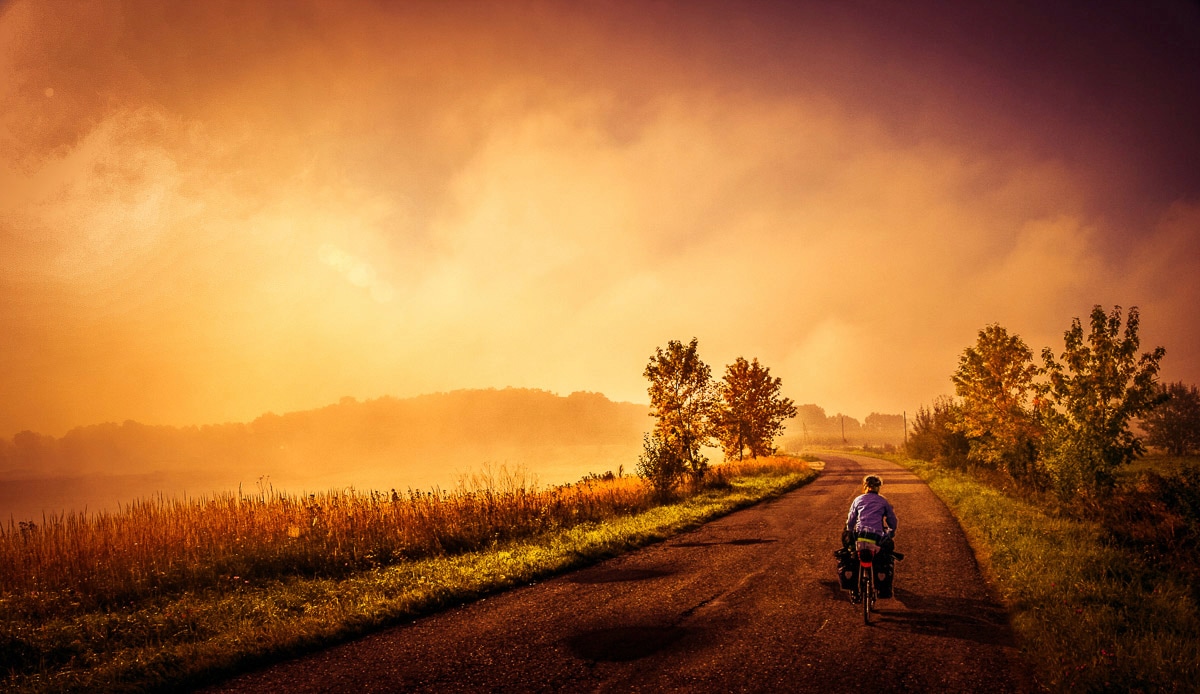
[(906, 429), (843, 428)]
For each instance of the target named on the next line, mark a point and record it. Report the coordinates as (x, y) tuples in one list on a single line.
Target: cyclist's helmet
[(872, 482)]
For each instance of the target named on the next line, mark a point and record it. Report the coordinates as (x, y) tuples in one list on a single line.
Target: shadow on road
[(617, 575), (622, 644), (835, 590), (837, 478), (956, 618), (737, 543)]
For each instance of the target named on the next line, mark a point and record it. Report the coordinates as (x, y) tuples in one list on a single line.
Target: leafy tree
[(995, 382), (681, 399), (936, 435), (1099, 386), (1174, 425), (811, 415), (880, 423), (751, 412)]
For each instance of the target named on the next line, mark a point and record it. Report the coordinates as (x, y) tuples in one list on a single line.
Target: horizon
[(343, 400), (430, 441), (213, 211)]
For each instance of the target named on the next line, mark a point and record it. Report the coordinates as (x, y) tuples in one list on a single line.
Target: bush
[(936, 436), (1156, 514), (661, 465)]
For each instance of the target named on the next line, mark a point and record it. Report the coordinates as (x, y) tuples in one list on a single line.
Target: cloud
[(358, 272), (205, 224), (105, 201), (697, 226), (1160, 276)]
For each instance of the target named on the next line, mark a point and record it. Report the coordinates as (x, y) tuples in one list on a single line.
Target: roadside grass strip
[(200, 637), (1090, 616)]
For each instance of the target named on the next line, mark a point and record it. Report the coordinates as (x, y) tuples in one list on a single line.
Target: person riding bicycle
[(871, 521)]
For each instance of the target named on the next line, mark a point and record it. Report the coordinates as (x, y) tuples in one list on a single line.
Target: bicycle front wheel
[(866, 590)]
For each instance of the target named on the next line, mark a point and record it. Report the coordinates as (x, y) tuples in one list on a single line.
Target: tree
[(1100, 385), (1174, 425), (995, 382), (879, 423), (936, 435), (751, 411), (681, 399)]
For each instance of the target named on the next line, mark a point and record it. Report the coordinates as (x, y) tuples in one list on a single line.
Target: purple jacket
[(867, 514)]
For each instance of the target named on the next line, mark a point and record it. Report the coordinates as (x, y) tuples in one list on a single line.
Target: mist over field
[(438, 440), (382, 444)]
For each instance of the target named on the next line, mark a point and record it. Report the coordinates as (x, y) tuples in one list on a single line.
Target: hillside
[(377, 444)]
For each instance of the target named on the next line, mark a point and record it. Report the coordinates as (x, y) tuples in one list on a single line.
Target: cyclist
[(871, 521)]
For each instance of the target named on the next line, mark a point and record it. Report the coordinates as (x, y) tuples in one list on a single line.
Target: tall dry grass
[(166, 594), (161, 546)]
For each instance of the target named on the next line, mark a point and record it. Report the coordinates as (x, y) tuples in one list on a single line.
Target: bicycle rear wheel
[(866, 591)]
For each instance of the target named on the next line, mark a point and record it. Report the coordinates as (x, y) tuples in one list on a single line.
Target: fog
[(212, 210), (437, 441)]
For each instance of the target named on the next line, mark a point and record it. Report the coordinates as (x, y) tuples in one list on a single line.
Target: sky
[(211, 210)]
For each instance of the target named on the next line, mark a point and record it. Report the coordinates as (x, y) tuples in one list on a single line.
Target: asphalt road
[(749, 602)]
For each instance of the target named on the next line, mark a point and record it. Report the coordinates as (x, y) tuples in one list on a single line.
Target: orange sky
[(209, 210)]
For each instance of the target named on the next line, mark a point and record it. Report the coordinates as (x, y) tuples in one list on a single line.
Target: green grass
[(1090, 615), (198, 637), (1162, 464)]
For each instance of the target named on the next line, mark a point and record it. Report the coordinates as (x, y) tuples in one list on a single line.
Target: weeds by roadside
[(1092, 612)]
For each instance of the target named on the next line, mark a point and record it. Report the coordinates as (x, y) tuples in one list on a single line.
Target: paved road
[(749, 602)]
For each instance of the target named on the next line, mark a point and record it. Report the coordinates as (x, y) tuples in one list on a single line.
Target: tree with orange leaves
[(752, 410)]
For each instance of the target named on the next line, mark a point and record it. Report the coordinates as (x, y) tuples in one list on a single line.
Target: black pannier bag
[(885, 574), (885, 567), (847, 568)]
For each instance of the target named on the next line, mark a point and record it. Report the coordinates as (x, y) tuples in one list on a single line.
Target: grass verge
[(1090, 615), (198, 637)]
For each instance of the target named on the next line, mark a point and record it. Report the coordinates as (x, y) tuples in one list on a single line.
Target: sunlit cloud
[(273, 224), (358, 272)]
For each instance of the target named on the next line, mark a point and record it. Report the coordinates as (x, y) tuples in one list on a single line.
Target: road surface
[(748, 602)]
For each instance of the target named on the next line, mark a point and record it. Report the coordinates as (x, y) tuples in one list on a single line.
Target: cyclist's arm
[(890, 514), (852, 518)]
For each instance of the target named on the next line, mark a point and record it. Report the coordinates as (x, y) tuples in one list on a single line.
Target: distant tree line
[(1067, 424), (456, 428), (811, 426), (1174, 425), (744, 412)]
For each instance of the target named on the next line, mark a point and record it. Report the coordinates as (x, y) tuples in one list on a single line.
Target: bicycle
[(866, 583)]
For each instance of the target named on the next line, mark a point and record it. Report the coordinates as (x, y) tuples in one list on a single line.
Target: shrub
[(661, 465), (936, 436)]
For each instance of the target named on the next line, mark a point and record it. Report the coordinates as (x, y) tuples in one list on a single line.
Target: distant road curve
[(748, 602)]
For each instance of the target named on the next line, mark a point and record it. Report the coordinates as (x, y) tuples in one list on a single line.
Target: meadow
[(169, 591), (1102, 594)]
